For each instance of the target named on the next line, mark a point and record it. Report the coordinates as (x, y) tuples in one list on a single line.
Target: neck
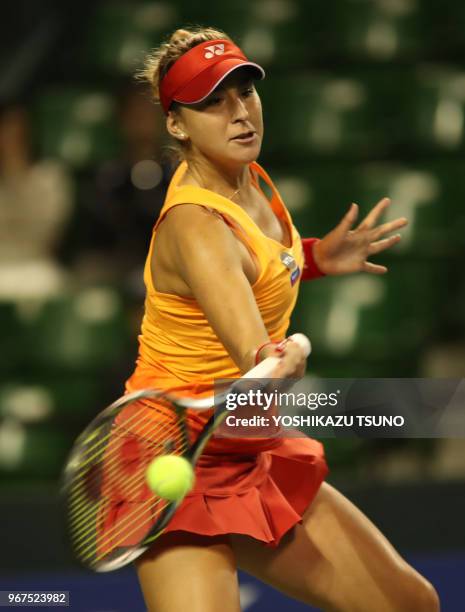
[(221, 179)]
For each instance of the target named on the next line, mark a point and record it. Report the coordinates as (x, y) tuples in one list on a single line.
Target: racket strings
[(112, 458), (124, 529), (80, 513), (85, 509), (95, 537), (103, 441), (109, 462)]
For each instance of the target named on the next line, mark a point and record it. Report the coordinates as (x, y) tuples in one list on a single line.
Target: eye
[(212, 101), (249, 91)]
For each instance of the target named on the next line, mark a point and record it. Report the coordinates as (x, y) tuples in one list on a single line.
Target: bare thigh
[(183, 571), (337, 560)]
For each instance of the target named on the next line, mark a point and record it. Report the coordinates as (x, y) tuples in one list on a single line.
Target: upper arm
[(206, 256)]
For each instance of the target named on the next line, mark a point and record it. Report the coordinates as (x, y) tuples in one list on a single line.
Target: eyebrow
[(245, 80)]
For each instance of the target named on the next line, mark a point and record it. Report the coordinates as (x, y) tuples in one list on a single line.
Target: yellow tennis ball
[(170, 477)]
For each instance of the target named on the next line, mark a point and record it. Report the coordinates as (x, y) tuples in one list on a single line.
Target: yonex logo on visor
[(214, 50), (191, 79)]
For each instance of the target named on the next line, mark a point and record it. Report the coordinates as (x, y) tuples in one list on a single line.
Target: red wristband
[(262, 346), (311, 270)]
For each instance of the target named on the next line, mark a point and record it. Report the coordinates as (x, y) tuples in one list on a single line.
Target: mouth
[(245, 137)]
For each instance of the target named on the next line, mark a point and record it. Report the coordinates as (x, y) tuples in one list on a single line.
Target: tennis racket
[(113, 515)]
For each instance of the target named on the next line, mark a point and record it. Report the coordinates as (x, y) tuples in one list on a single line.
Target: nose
[(239, 110)]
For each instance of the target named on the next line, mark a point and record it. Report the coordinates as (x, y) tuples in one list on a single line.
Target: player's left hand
[(345, 250)]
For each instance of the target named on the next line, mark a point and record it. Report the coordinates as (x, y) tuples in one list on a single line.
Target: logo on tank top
[(214, 50), (290, 263)]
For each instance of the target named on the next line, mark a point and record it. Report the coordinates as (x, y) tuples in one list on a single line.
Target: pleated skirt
[(261, 495)]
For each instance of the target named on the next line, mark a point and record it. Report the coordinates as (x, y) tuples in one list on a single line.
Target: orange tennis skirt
[(255, 487)]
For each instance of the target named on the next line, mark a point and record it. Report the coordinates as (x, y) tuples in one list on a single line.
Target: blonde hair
[(159, 60)]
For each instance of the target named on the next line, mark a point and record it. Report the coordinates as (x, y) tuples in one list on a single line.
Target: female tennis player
[(222, 276)]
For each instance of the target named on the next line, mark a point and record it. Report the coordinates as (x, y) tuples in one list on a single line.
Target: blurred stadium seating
[(63, 347), (76, 126)]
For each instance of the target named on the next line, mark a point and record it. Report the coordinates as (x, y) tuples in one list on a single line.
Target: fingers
[(386, 228), (372, 268), (349, 218), (371, 219), (373, 216), (382, 245)]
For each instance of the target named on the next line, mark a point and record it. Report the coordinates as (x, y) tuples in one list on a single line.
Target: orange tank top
[(177, 345)]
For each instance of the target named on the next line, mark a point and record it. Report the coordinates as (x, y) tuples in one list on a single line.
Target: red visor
[(196, 73)]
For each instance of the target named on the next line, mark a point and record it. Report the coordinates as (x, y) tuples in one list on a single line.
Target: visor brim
[(207, 81)]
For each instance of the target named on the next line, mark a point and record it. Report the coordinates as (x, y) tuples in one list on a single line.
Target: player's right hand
[(292, 360)]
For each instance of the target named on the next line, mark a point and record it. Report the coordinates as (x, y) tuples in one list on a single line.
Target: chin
[(249, 158), (249, 155)]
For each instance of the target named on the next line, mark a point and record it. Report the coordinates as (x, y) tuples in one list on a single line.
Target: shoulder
[(188, 226), (184, 216)]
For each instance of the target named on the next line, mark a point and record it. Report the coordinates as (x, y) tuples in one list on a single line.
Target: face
[(213, 126)]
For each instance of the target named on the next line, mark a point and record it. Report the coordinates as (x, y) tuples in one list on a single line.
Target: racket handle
[(265, 368)]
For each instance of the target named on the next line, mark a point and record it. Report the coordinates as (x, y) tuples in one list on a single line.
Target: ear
[(175, 126)]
